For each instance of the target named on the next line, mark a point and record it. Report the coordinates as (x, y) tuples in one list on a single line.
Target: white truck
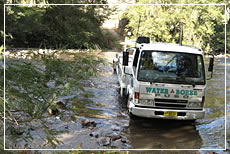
[(163, 80)]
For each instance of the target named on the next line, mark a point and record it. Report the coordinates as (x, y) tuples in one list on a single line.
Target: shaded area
[(163, 134), (57, 26)]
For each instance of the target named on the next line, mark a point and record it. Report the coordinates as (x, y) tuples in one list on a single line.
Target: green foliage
[(29, 93), (57, 26), (203, 25), (25, 26), (51, 140)]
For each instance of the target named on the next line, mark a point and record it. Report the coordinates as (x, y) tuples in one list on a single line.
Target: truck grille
[(170, 103)]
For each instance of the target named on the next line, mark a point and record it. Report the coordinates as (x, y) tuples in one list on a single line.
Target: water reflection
[(143, 133), (170, 134), (215, 92), (213, 134), (212, 127), (163, 134)]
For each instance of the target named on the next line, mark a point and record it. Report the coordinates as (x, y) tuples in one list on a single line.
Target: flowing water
[(143, 133), (109, 111), (212, 127)]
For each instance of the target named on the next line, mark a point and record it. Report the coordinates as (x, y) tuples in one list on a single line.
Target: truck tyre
[(192, 121), (132, 116), (124, 95), (123, 92), (114, 67), (114, 71)]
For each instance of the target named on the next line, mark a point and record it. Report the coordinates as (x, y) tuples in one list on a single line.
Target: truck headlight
[(194, 104), (145, 102)]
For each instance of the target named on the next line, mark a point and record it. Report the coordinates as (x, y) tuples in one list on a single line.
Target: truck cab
[(163, 80)]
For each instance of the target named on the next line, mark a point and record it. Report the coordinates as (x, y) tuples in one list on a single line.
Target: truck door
[(135, 60)]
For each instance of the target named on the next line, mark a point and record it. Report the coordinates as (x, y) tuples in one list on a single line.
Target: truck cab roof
[(168, 47)]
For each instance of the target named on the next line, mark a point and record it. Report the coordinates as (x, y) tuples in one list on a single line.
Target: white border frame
[(116, 149)]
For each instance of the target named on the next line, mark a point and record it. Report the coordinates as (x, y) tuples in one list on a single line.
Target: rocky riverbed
[(101, 121)]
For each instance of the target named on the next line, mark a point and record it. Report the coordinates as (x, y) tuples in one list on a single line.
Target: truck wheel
[(124, 95), (123, 92), (132, 116), (191, 121)]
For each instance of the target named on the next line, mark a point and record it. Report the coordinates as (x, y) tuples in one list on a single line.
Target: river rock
[(66, 127), (110, 134), (115, 137), (61, 104), (94, 134), (116, 144), (85, 122), (124, 139), (19, 129), (104, 141), (116, 128), (88, 123)]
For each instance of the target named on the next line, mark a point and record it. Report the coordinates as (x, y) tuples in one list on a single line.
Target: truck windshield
[(171, 67)]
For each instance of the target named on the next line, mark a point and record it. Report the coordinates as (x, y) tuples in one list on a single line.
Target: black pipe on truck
[(181, 34)]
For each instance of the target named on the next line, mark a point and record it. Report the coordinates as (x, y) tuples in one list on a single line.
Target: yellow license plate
[(170, 114)]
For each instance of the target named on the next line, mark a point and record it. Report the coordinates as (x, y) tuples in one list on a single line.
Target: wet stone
[(115, 137), (104, 141), (60, 104), (19, 130), (124, 139), (88, 123), (85, 122), (32, 129), (91, 127), (110, 134), (66, 126), (115, 128), (116, 144), (126, 146), (94, 134)]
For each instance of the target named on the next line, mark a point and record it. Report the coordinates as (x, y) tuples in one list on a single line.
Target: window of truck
[(171, 67)]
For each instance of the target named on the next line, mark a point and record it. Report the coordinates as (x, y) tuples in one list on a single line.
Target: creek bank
[(72, 119)]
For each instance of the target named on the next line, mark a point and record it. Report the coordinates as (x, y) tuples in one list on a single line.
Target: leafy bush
[(33, 86), (57, 26), (202, 24)]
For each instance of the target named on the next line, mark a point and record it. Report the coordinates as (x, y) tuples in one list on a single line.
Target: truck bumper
[(159, 113)]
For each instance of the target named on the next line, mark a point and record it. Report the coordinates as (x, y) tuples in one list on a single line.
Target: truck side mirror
[(125, 58), (211, 64)]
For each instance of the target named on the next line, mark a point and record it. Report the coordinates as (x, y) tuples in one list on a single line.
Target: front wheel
[(192, 121), (132, 116)]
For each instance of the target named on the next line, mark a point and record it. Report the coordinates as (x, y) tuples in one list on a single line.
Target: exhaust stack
[(181, 34)]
